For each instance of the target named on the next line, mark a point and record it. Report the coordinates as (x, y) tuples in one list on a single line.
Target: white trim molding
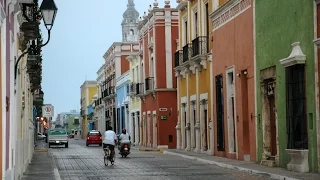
[(296, 56), (183, 99), (193, 97), (204, 96), (228, 11)]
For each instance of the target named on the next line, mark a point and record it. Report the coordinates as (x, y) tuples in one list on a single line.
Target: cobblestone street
[(81, 162)]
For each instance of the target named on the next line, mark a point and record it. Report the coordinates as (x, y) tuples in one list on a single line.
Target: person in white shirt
[(124, 139), (110, 139)]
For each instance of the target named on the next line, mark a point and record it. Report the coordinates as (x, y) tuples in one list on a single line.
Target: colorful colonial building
[(158, 31), (317, 76), (234, 86), (135, 101), (285, 82), (87, 90), (116, 65), (193, 69)]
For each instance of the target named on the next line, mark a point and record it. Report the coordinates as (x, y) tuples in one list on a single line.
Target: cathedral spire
[(130, 23)]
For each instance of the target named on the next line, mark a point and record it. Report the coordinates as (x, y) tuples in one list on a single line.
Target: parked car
[(41, 136), (94, 137), (58, 136)]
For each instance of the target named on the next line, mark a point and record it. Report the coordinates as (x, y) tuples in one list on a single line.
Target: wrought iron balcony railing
[(178, 58), (187, 52), (200, 46)]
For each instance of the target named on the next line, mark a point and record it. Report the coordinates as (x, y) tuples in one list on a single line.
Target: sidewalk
[(250, 167), (142, 148), (42, 165)]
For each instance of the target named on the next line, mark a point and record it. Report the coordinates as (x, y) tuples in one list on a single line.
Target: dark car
[(94, 137)]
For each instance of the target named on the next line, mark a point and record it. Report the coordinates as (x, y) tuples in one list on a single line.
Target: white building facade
[(99, 112)]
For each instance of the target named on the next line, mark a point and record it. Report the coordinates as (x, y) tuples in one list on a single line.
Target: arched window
[(131, 32)]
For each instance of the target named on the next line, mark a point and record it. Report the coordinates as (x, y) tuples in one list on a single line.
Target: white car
[(41, 136)]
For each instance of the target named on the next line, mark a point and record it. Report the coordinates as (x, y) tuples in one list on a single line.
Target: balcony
[(140, 89), (200, 51), (133, 89), (200, 46), (149, 84), (178, 58), (187, 52)]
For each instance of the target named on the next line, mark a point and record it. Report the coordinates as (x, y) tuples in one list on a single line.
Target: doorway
[(268, 114), (206, 129), (273, 128)]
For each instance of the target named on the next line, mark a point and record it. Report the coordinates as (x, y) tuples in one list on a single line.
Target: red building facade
[(157, 39), (233, 71)]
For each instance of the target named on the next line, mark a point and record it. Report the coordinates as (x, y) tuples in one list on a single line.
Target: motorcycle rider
[(124, 139)]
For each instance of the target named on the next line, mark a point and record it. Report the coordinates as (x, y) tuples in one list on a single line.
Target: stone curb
[(55, 169), (150, 150), (223, 165)]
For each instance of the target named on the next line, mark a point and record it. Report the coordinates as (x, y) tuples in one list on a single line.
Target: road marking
[(56, 174)]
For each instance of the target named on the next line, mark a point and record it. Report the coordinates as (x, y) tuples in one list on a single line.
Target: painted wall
[(195, 82), (159, 132), (122, 100), (273, 43), (232, 46)]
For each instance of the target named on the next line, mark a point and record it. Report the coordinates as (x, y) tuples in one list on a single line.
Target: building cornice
[(228, 11)]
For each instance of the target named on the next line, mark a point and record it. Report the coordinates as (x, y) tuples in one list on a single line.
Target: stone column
[(149, 130), (197, 127), (178, 128)]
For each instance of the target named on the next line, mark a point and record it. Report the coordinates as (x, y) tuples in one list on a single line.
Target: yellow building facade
[(135, 101), (194, 77), (88, 90)]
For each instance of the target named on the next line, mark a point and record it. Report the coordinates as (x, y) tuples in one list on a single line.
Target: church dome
[(131, 14)]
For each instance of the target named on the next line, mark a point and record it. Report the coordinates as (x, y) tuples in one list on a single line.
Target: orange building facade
[(157, 88), (233, 73)]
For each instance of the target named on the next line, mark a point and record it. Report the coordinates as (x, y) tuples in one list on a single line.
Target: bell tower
[(130, 23)]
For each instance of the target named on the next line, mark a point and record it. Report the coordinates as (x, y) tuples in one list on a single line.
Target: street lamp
[(48, 10)]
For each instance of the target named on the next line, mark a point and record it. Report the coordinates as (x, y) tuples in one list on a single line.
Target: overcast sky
[(83, 31)]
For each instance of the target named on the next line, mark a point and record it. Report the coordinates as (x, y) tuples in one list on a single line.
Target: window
[(76, 121), (137, 75), (207, 25), (151, 68), (94, 133), (296, 107), (186, 31), (196, 24), (133, 75), (131, 32)]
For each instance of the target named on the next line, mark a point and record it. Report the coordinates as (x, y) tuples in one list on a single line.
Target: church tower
[(130, 23)]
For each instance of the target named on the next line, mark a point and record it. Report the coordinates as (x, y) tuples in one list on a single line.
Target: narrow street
[(86, 163)]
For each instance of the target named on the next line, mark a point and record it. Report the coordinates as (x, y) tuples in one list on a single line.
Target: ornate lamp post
[(48, 10)]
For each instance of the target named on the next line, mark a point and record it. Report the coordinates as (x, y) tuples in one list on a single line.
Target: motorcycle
[(125, 149)]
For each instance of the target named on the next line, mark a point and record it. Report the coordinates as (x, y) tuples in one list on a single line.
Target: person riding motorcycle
[(110, 139), (124, 138)]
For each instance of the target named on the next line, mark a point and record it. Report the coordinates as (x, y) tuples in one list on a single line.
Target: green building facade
[(285, 108)]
